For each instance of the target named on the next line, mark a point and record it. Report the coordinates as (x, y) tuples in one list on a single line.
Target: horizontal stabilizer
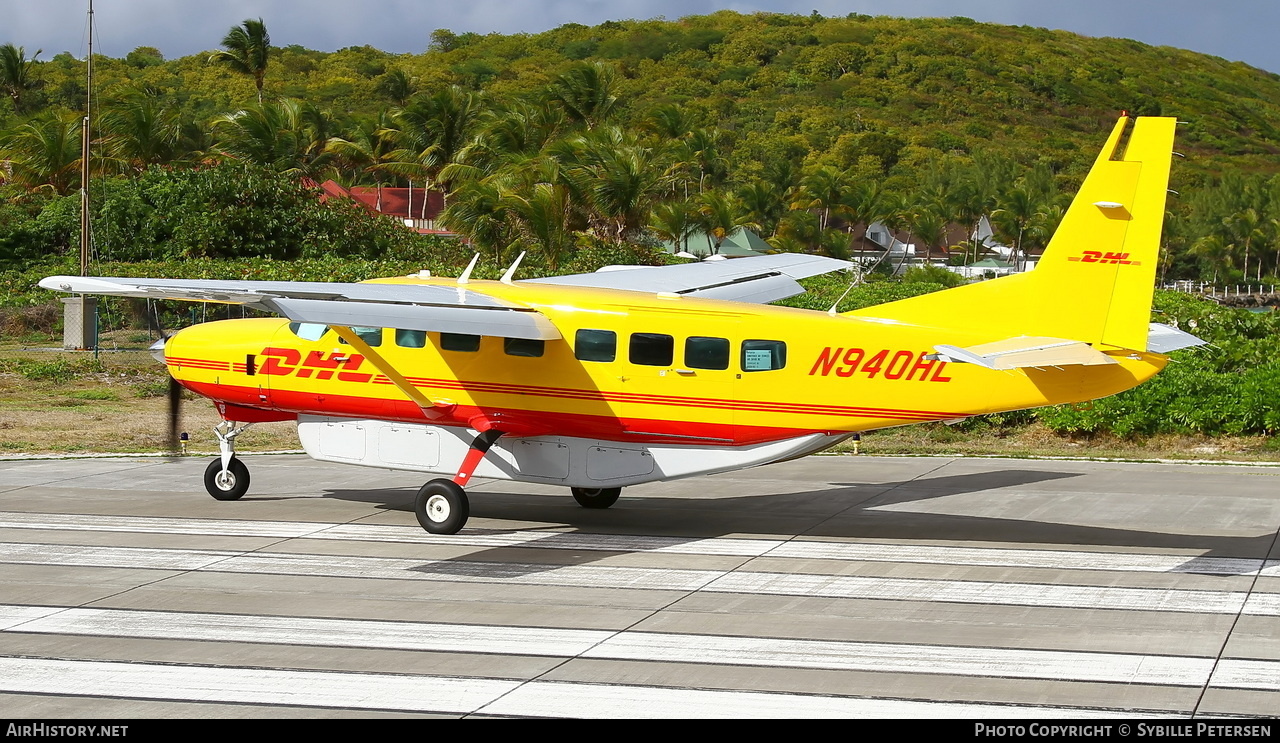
[(1025, 351), (1163, 339)]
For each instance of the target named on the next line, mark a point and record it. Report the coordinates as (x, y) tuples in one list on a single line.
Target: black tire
[(596, 497), (442, 507), (230, 487)]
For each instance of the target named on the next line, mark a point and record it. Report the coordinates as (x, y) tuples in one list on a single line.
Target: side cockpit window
[(763, 355), (308, 331), (411, 338), (371, 336), (459, 342)]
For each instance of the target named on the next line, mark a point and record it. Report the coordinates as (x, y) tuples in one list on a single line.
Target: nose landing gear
[(226, 478)]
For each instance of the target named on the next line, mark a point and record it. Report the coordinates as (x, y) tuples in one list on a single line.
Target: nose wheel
[(229, 483), (226, 478)]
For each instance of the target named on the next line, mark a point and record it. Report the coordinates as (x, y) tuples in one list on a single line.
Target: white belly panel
[(559, 460)]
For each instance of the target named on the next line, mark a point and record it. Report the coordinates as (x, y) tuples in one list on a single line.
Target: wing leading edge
[(407, 306)]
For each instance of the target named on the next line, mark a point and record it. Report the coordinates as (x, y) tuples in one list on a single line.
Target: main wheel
[(596, 497), (229, 485), (442, 507)]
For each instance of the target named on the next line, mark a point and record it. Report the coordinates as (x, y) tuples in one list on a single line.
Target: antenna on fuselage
[(506, 277), (466, 275)]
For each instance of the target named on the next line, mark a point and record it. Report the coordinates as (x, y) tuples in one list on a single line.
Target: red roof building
[(417, 208)]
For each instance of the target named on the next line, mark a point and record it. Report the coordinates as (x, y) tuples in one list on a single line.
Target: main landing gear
[(442, 506), (226, 478)]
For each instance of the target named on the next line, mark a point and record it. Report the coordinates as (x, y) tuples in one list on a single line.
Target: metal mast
[(84, 154)]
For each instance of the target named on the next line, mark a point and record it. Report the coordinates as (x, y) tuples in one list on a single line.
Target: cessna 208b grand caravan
[(598, 381)]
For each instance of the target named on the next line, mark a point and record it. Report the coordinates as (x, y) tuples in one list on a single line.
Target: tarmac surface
[(827, 586)]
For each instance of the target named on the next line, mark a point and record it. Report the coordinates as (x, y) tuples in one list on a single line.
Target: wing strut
[(432, 409)]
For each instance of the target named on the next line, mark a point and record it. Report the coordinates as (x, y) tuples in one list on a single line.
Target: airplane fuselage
[(634, 368)]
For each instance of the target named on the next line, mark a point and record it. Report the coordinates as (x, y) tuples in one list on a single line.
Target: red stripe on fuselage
[(638, 430)]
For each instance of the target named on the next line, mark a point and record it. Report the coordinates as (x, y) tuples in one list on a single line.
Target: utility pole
[(80, 313)]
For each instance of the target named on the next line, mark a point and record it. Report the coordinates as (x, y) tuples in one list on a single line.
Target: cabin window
[(523, 347), (411, 338), (308, 331), (371, 336), (595, 345), (763, 355), (651, 349), (706, 353), (459, 342)]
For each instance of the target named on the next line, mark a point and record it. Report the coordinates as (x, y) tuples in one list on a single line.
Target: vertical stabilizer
[(1094, 282)]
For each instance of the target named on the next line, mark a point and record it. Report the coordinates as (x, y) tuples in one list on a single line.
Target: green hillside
[(798, 126)]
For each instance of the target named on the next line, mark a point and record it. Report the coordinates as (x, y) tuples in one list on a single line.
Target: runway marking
[(1059, 665), (598, 701), (1238, 673), (11, 616), (728, 546), (983, 592), (668, 579), (374, 691), (277, 630), (249, 685)]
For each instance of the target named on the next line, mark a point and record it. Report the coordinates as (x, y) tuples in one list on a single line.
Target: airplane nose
[(157, 350)]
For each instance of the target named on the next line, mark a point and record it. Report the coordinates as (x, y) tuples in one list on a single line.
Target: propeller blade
[(175, 412)]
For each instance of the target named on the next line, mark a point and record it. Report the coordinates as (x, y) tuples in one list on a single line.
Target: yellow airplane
[(640, 374)]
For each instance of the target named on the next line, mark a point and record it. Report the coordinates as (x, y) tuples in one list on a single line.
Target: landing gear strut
[(442, 506), (226, 478)]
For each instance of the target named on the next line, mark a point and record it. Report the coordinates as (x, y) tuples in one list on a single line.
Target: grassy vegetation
[(55, 402)]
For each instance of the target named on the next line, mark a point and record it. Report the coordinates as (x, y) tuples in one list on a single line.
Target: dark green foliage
[(1231, 386), (225, 211)]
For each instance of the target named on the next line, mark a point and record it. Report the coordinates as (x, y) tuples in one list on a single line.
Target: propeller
[(175, 389)]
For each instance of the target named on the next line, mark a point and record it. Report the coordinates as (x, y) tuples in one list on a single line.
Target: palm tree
[(246, 49), (588, 92), (396, 85), (673, 222), (17, 73), (45, 152), (141, 130), (371, 150), (823, 189), (762, 207), (433, 130), (721, 216), (287, 136), (479, 213), (1016, 209), (617, 179), (541, 219)]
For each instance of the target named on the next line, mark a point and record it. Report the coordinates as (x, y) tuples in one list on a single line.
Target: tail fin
[(1095, 280)]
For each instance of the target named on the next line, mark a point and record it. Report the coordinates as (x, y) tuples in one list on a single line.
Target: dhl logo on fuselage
[(286, 361), (1097, 256), (904, 365)]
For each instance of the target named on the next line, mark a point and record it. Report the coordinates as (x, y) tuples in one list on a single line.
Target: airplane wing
[(447, 309), (757, 279)]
